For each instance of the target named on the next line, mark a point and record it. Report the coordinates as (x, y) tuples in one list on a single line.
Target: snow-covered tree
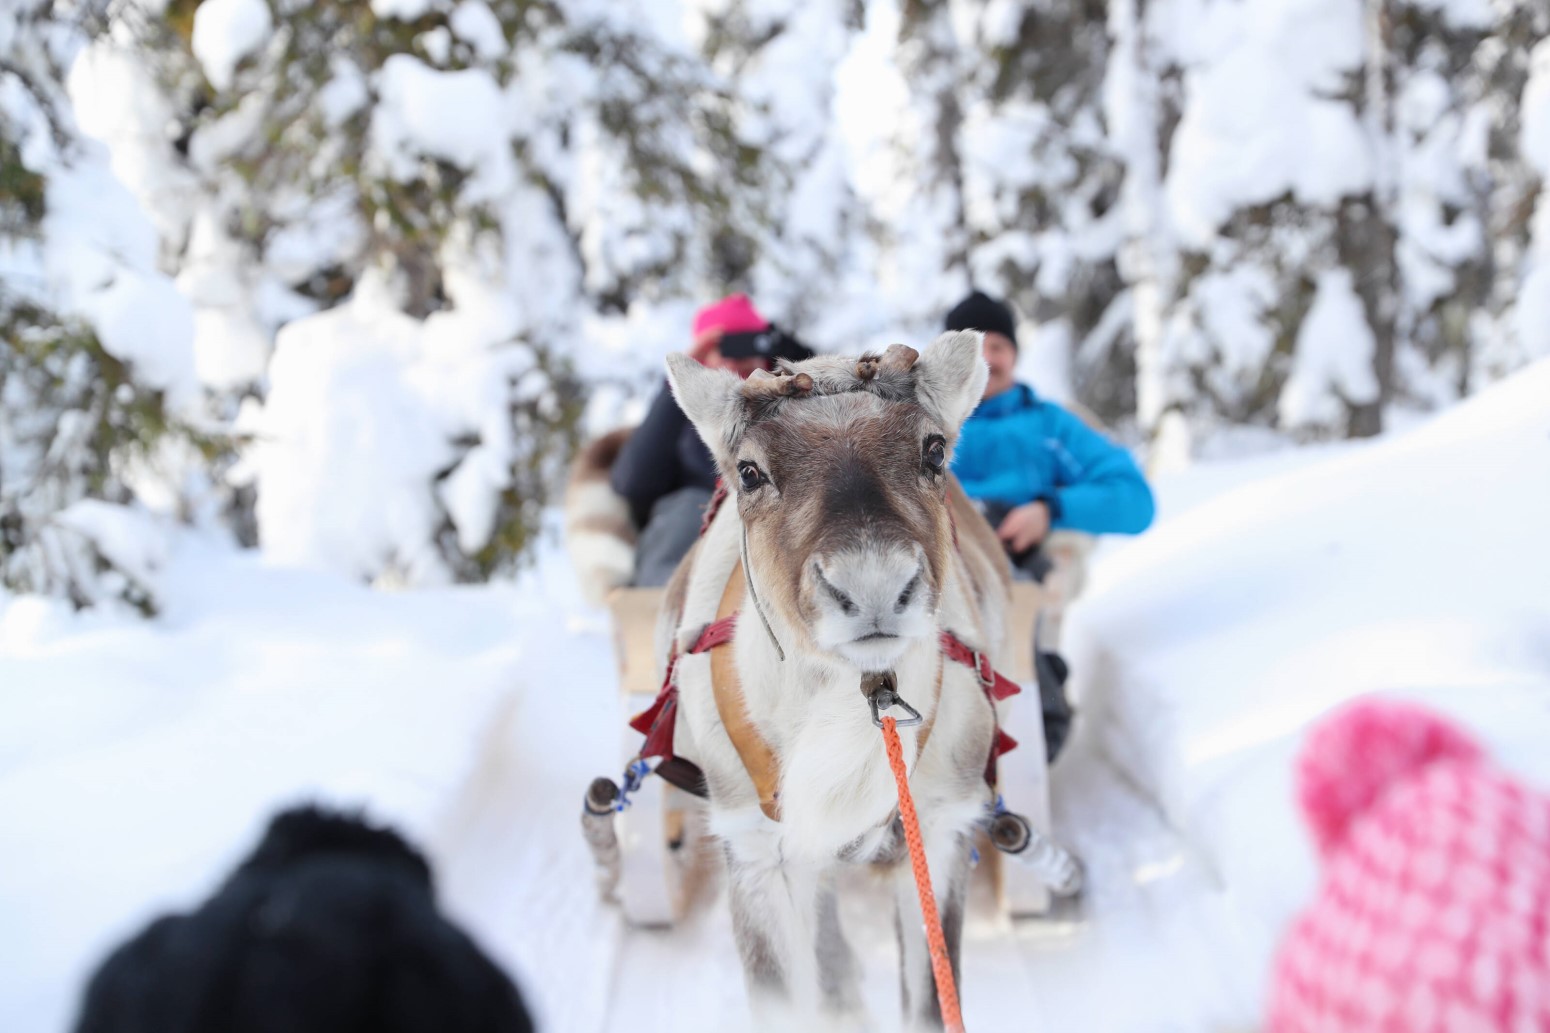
[(507, 177), (96, 378), (400, 251), (1332, 223), (1041, 180)]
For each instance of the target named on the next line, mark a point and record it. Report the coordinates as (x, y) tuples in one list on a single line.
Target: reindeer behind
[(599, 534)]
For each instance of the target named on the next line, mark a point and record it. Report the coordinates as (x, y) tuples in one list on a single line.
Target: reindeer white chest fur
[(846, 545)]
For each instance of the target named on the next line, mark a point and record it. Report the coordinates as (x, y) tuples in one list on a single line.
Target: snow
[(473, 22), (101, 261), (404, 10), (116, 101), (1277, 584), (1333, 363), (1254, 126), (1536, 110), (455, 116), (345, 445), (344, 94), (437, 44), (1531, 315), (144, 321), (226, 31), (1412, 566), (366, 407), (1273, 589), (170, 743), (1462, 14), (131, 540)]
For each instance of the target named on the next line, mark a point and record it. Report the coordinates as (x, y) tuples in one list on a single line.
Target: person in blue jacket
[(1031, 465)]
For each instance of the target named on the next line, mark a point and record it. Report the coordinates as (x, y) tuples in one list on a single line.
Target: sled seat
[(1028, 598), (634, 612)]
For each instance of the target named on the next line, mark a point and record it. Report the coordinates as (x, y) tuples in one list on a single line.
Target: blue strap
[(634, 774)]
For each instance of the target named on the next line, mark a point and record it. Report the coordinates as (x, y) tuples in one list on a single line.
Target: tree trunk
[(1365, 236)]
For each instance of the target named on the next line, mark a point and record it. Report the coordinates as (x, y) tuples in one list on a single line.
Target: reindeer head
[(840, 470)]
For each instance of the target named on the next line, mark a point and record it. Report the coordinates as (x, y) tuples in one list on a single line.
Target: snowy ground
[(137, 761)]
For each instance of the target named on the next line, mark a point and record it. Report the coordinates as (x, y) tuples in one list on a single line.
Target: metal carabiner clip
[(886, 699)]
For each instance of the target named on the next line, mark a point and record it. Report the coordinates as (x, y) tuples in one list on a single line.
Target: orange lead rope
[(941, 966)]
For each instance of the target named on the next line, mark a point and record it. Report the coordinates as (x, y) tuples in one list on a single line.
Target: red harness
[(657, 721)]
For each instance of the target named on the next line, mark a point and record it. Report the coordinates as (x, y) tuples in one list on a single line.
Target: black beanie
[(330, 924), (979, 311)]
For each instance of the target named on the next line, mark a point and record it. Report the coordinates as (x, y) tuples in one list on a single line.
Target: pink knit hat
[(734, 314), (1433, 915)]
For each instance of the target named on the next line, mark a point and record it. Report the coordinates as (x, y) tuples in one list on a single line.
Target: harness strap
[(758, 759), (658, 721), (713, 506), (996, 685)]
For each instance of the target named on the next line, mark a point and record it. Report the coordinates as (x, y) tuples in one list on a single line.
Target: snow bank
[(139, 760), (1415, 566)]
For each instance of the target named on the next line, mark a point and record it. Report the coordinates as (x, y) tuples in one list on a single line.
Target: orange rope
[(941, 966)]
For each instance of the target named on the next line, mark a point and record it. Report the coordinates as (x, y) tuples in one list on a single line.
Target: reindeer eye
[(749, 476), (936, 453)]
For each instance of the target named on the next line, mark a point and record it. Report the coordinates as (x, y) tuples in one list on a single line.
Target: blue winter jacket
[(1016, 448)]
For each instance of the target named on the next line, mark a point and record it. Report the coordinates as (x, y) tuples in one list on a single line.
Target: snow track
[(514, 868)]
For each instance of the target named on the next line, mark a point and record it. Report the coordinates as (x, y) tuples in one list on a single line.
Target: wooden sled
[(656, 830), (1023, 775)]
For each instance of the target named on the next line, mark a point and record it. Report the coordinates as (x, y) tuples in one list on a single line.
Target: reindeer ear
[(951, 375), (711, 398)]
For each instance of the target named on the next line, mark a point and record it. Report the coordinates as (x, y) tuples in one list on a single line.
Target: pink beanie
[(1433, 914), (734, 314)]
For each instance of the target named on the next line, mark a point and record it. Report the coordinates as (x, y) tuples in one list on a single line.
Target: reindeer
[(849, 550)]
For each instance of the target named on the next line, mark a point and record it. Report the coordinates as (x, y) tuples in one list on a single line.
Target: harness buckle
[(886, 699), (983, 670), (634, 774)]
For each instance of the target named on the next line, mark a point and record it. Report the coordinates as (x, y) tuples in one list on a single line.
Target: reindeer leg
[(801, 973), (948, 858), (839, 974)]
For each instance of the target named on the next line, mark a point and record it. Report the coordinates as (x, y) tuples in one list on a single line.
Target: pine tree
[(330, 150), (95, 377)]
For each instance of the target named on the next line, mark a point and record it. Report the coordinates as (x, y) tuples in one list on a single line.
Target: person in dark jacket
[(330, 924), (664, 471)]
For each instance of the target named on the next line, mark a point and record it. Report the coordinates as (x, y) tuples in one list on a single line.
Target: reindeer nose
[(869, 588)]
